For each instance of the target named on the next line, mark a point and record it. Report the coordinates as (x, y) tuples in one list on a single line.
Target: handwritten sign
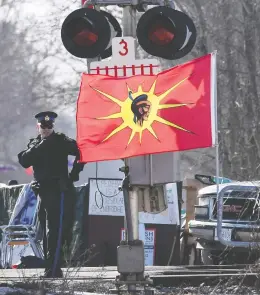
[(168, 216), (149, 245), (105, 197)]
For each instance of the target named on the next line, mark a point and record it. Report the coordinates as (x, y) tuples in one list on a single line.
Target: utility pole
[(130, 193), (131, 199)]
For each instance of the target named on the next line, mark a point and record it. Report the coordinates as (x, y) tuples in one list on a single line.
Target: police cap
[(46, 117)]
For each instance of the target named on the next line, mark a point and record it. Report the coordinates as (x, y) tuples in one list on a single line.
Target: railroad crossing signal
[(161, 31), (165, 32), (87, 33)]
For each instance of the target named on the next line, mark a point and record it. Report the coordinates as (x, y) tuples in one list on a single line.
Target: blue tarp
[(25, 208)]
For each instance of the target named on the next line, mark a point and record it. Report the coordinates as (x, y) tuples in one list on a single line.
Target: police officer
[(48, 155)]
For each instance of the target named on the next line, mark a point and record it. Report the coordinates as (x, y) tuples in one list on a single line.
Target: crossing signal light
[(165, 32), (87, 33)]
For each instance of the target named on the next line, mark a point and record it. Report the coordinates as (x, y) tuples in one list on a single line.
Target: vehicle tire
[(206, 258)]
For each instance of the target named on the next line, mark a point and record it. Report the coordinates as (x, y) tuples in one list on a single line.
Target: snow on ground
[(6, 290), (232, 290), (16, 291)]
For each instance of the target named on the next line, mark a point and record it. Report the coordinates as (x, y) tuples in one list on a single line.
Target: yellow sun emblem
[(139, 111)]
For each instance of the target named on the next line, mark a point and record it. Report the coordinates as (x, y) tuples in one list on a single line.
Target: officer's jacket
[(49, 157)]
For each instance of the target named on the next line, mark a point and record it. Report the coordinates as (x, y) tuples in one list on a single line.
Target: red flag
[(124, 117)]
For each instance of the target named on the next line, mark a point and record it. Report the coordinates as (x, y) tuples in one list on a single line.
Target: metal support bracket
[(253, 189), (143, 285), (130, 252), (134, 3)]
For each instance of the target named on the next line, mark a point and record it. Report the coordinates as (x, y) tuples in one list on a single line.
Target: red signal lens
[(162, 32), (82, 32), (161, 36), (85, 38)]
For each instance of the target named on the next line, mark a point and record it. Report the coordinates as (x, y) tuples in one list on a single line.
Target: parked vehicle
[(240, 222)]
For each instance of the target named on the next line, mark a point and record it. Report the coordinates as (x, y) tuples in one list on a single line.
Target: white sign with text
[(149, 245), (105, 197)]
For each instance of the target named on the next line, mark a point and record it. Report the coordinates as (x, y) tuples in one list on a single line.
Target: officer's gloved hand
[(42, 143), (35, 146)]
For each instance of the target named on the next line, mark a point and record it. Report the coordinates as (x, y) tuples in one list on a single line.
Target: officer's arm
[(76, 169), (74, 151), (72, 147), (26, 158)]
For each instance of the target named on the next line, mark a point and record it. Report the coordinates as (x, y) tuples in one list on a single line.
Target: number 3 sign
[(123, 62), (123, 48)]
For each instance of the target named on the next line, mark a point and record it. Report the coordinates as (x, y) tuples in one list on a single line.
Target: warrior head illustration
[(140, 107)]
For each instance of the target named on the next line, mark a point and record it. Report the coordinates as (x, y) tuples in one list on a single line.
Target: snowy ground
[(10, 291), (104, 287), (183, 291), (86, 288)]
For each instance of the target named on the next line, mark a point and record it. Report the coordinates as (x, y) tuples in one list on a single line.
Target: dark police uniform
[(49, 159)]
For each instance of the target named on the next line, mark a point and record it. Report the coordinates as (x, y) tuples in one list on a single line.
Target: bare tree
[(26, 82), (232, 28)]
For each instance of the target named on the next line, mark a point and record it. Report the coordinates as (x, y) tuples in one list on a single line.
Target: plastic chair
[(23, 228)]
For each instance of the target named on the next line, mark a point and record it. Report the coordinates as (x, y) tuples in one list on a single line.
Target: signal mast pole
[(130, 194), (130, 197)]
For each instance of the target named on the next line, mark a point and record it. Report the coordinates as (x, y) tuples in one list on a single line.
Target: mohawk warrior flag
[(124, 117)]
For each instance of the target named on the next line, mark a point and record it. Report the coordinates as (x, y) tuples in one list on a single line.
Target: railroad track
[(161, 275)]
